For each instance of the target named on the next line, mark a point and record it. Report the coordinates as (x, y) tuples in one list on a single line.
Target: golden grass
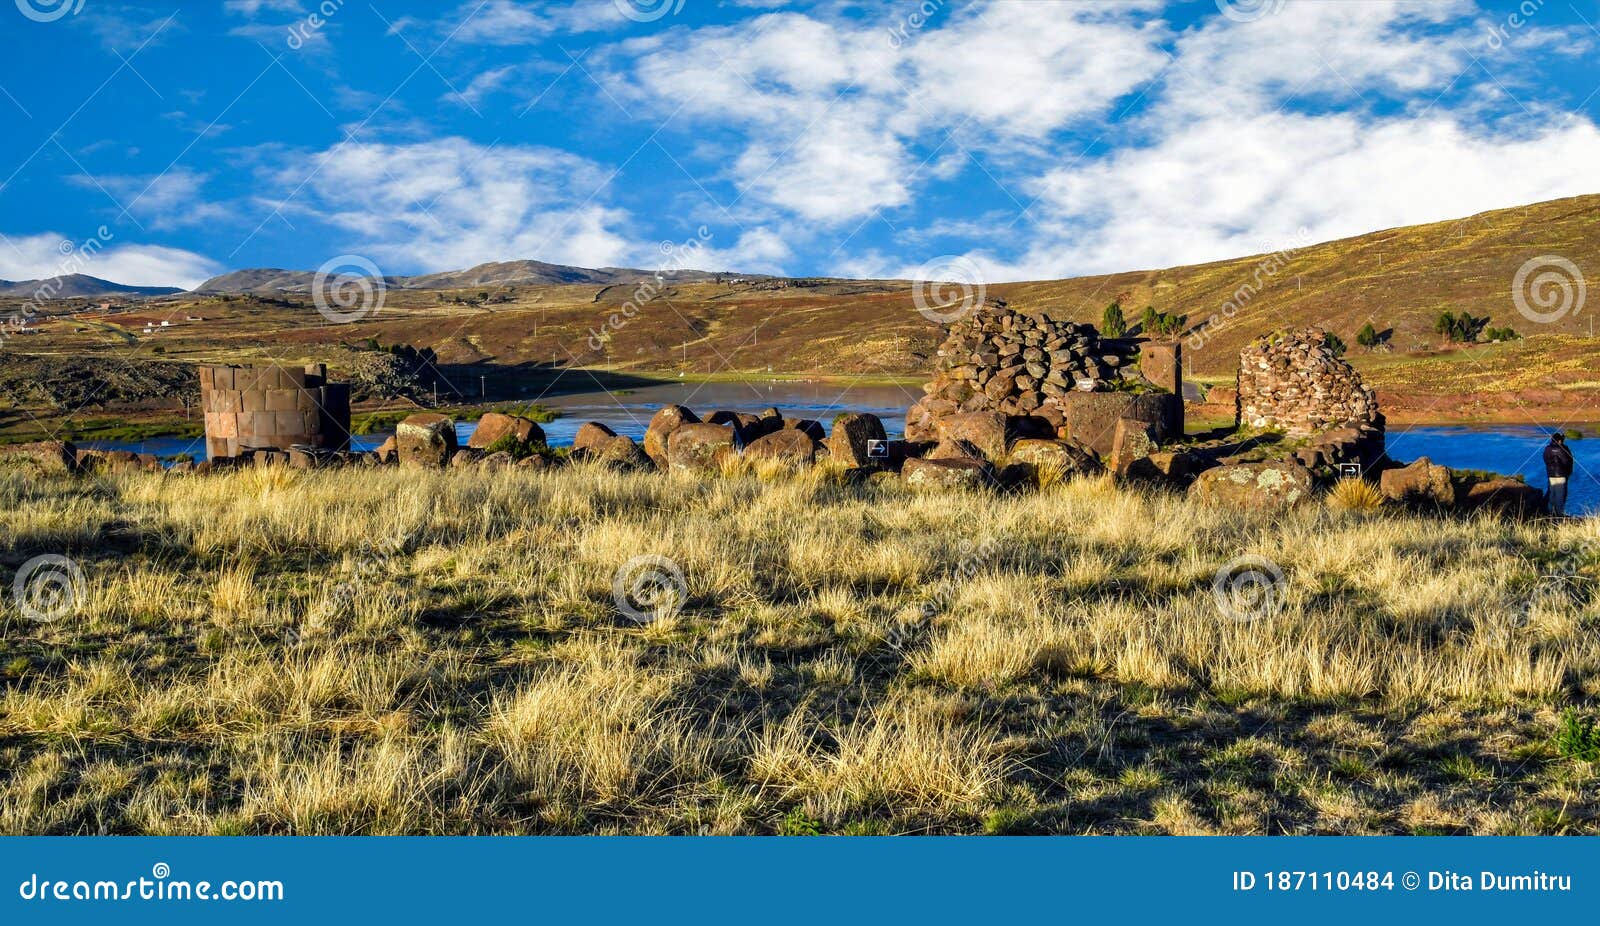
[(383, 651)]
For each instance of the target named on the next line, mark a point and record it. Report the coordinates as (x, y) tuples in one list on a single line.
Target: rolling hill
[(504, 273), (77, 286)]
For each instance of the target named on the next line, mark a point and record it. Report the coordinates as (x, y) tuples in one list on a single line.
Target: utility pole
[(483, 387)]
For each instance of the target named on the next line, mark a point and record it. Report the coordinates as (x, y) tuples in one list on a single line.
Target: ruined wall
[(1000, 360), (260, 408), (1293, 381)]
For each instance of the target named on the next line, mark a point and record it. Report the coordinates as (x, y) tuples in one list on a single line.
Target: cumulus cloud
[(46, 255), (452, 203)]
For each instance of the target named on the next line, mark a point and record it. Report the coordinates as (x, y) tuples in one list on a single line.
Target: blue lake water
[(1504, 449)]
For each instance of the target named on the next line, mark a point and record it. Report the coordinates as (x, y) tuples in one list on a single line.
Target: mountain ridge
[(79, 286)]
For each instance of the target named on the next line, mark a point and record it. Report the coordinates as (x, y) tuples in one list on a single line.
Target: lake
[(1509, 449)]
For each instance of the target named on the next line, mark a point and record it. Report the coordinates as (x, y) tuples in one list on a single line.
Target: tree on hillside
[(1367, 336), (1460, 329), (1501, 334), (1335, 344), (1112, 324), (1161, 324)]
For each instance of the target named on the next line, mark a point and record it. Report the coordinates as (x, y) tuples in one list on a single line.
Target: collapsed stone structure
[(1294, 381), (273, 408), (1049, 377)]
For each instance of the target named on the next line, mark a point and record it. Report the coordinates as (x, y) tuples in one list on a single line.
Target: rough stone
[(1058, 455), (966, 473), (1292, 381), (591, 436), (669, 419), (699, 447), (1504, 494), (51, 456), (806, 426), (790, 445), (851, 432), (1135, 440), (426, 439), (622, 453), (987, 431), (494, 426), (1254, 485), (1423, 481)]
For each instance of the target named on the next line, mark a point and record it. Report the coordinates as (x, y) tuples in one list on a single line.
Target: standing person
[(1558, 466)]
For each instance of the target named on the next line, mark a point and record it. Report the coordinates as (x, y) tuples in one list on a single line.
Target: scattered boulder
[(790, 445), (1505, 495), (989, 432), (669, 419), (1421, 482), (426, 439), (591, 436), (1091, 417), (849, 441), (494, 426), (966, 473), (52, 456), (500, 459), (1058, 455), (302, 459), (1134, 440), (699, 448), (464, 458), (811, 428), (387, 451), (534, 462), (1254, 485), (622, 453)]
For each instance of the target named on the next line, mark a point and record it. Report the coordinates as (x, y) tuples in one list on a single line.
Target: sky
[(921, 140)]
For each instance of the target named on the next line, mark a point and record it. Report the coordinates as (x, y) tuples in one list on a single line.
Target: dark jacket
[(1557, 460)]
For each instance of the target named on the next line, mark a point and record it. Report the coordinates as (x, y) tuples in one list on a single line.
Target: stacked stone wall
[(1291, 380)]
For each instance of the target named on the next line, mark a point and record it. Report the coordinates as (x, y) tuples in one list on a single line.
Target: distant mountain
[(78, 286), (506, 273)]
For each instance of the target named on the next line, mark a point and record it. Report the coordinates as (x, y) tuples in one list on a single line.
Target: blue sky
[(1025, 140)]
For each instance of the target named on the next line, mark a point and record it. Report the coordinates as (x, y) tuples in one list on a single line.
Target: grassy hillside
[(234, 666), (1398, 280)]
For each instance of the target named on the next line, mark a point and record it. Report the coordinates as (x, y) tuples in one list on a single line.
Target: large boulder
[(1422, 482), (987, 431), (1057, 455), (51, 456), (621, 453), (1504, 494), (1254, 485), (851, 433), (1135, 440), (426, 439), (494, 426), (669, 419), (812, 428), (699, 448), (591, 436), (1091, 417), (789, 445), (966, 473)]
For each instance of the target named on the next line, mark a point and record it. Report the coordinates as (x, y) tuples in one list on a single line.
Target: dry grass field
[(383, 651)]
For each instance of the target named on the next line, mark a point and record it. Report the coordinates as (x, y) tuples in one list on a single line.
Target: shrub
[(1335, 344), (1161, 323), (1355, 495), (1578, 737), (1367, 336), (1112, 323), (1502, 334)]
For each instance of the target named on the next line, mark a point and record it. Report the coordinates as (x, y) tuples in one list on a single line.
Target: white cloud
[(482, 85), (508, 22), (452, 203), (37, 257), (831, 110)]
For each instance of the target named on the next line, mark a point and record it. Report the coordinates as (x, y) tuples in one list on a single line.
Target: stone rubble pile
[(1291, 380), (1001, 360)]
